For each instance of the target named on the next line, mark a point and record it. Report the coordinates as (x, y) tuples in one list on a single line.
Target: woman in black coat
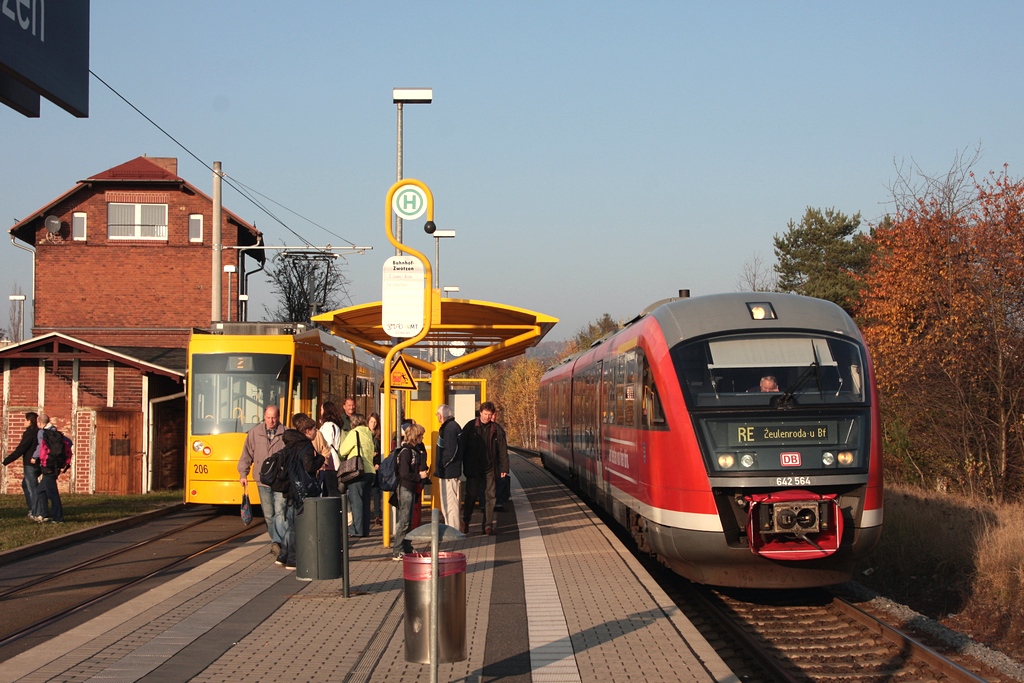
[(30, 466)]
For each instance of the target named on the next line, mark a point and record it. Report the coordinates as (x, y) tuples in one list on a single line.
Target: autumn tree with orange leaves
[(943, 312)]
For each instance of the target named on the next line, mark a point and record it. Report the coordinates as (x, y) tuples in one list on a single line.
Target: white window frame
[(192, 216), (161, 230), (85, 226)]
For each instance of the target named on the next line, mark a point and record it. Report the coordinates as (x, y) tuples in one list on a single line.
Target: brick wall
[(129, 283)]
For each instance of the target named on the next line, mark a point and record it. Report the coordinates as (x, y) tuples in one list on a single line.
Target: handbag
[(351, 469), (246, 508)]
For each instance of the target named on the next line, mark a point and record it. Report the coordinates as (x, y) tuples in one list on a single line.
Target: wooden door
[(118, 452)]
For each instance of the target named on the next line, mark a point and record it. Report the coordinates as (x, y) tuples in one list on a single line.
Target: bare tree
[(306, 283), (757, 276)]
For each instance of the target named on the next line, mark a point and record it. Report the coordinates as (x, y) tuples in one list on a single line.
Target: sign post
[(407, 314)]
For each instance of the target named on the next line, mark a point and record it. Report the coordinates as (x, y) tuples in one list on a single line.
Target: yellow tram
[(232, 378)]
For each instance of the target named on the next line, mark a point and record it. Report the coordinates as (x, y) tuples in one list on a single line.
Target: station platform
[(553, 597)]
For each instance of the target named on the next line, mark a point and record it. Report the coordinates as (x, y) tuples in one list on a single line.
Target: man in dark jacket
[(484, 461), (30, 469), (449, 465), (298, 452)]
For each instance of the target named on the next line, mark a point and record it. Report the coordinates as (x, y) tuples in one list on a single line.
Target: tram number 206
[(200, 469)]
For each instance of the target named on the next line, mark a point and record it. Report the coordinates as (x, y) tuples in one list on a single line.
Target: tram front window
[(230, 391)]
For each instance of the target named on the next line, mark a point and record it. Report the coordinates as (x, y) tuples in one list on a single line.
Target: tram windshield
[(777, 371), (230, 391)]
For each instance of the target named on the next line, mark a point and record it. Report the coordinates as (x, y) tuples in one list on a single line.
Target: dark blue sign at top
[(44, 50)]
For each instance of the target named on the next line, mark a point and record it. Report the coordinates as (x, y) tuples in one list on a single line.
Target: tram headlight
[(726, 460), (747, 460), (828, 458), (846, 458), (197, 445)]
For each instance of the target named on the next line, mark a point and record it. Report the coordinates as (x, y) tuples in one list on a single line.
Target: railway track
[(802, 636), (39, 594)]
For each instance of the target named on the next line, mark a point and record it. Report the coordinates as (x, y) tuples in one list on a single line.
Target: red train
[(736, 436)]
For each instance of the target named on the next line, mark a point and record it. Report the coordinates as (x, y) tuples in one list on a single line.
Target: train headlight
[(725, 461), (846, 458), (828, 458), (747, 460)]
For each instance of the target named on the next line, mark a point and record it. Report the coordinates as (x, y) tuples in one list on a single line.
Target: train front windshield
[(778, 371), (230, 391)]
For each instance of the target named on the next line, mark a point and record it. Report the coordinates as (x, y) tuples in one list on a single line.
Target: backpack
[(303, 484), (274, 470), (387, 475), (56, 451)]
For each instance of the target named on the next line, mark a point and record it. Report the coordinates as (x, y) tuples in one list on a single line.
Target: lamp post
[(243, 307), (20, 298), (229, 269), (438, 236), (402, 97)]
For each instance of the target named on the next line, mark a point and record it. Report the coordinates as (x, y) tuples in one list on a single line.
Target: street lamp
[(438, 236), (401, 97), (20, 298), (450, 290), (229, 269)]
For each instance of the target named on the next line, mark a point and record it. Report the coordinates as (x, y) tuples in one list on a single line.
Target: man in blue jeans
[(261, 442)]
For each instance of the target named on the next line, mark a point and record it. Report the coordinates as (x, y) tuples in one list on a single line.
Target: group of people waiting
[(320, 450), (39, 479), (478, 451)]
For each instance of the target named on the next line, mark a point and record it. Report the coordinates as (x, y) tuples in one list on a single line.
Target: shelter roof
[(488, 332)]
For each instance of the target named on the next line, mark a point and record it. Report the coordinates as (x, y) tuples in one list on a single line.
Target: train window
[(761, 370), (230, 400), (630, 390), (652, 416)]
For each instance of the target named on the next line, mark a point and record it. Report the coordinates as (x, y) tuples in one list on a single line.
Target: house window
[(137, 221), (195, 227), (78, 225)]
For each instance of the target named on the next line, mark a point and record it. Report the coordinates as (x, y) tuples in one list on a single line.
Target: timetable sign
[(404, 295)]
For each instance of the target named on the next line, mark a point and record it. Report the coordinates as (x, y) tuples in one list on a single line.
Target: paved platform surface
[(553, 597)]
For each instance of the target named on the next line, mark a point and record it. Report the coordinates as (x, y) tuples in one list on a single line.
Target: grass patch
[(81, 511)]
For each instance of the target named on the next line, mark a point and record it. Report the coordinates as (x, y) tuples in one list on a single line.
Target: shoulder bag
[(351, 468)]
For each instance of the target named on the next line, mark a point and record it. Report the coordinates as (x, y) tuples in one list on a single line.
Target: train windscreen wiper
[(788, 399)]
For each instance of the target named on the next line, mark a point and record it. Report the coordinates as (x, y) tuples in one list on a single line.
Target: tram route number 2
[(200, 468)]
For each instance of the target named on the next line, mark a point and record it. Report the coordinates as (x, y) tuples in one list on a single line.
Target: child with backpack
[(52, 453), (411, 468)]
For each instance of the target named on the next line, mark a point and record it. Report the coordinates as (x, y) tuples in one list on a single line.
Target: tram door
[(305, 393)]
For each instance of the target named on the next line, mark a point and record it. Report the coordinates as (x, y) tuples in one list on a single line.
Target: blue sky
[(592, 157)]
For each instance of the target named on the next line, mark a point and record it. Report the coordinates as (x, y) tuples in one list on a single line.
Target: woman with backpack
[(412, 470)]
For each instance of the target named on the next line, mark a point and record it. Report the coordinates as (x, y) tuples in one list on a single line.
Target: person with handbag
[(326, 444), (359, 475)]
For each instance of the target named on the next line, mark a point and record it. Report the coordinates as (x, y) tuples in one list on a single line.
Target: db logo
[(790, 460)]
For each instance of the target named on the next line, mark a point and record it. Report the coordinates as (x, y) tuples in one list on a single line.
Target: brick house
[(121, 276)]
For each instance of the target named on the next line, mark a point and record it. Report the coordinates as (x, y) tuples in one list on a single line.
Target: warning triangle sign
[(401, 376)]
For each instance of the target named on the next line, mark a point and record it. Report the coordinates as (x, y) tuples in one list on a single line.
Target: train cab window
[(807, 369), (230, 391)]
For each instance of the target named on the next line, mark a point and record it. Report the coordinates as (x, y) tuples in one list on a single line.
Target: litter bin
[(451, 591), (318, 539)]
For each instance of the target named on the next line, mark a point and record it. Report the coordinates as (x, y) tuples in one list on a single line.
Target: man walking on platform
[(261, 442), (449, 466), (484, 462)]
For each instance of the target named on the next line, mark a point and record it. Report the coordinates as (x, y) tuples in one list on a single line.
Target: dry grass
[(954, 559), (80, 512)]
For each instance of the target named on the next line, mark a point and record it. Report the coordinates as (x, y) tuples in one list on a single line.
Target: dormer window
[(137, 221)]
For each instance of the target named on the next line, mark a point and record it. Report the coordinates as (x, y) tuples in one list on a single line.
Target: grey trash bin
[(318, 539), (451, 631)]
